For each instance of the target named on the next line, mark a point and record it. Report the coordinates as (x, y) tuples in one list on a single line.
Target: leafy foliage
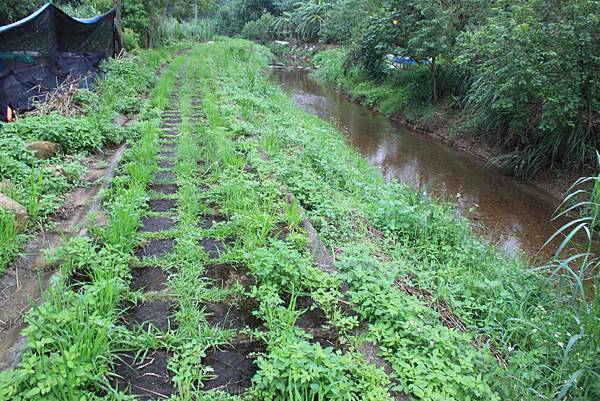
[(535, 82), (260, 29)]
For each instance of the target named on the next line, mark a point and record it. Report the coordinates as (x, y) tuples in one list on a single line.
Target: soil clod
[(155, 247), (147, 379), (233, 367), (152, 278)]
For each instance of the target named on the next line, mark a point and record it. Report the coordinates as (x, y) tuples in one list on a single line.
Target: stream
[(510, 213)]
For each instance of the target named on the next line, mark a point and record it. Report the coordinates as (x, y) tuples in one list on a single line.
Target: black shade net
[(41, 51)]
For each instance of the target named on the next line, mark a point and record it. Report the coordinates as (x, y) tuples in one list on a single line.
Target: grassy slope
[(426, 246), (389, 242)]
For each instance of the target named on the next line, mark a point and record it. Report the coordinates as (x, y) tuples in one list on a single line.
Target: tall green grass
[(8, 239), (578, 272), (176, 31)]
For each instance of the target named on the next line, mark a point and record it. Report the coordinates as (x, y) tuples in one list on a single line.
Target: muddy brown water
[(510, 213)]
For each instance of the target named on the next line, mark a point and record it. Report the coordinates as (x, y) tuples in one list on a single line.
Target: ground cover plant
[(522, 328), (204, 283)]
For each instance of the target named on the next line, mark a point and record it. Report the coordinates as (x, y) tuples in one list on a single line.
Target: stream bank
[(439, 124), (511, 213)]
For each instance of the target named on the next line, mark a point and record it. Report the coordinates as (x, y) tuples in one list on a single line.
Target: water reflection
[(508, 212)]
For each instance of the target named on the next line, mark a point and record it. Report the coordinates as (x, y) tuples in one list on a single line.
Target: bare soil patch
[(214, 247), (147, 379), (169, 146), (165, 176), (151, 313), (157, 224), (166, 163), (169, 133), (162, 205), (236, 314), (233, 367), (151, 278), (165, 189), (210, 221), (155, 247), (167, 154), (314, 316), (227, 275)]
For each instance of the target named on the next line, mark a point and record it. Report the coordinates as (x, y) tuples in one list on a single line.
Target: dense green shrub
[(72, 134), (13, 10), (15, 159), (347, 20), (233, 15), (260, 30), (178, 31), (535, 83)]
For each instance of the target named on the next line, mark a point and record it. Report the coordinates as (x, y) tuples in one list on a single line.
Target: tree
[(14, 10), (536, 75), (428, 29)]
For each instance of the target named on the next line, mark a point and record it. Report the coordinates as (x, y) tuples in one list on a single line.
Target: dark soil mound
[(151, 278), (147, 379), (233, 367), (156, 247)]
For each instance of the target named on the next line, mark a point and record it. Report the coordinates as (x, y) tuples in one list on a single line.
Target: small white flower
[(560, 344)]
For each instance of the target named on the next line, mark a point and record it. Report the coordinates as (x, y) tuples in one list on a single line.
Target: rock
[(56, 170), (7, 187), (43, 149), (11, 206)]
